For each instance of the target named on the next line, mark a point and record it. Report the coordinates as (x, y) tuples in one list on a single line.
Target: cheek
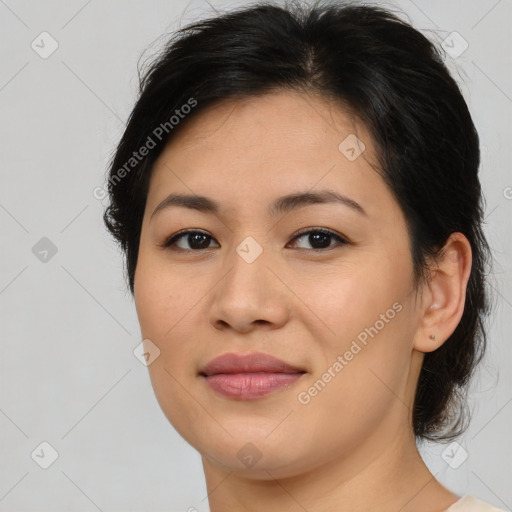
[(365, 323), (368, 387), (162, 303), (160, 297), (351, 298), (165, 307)]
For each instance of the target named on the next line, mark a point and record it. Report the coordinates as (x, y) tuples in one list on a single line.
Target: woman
[(298, 199)]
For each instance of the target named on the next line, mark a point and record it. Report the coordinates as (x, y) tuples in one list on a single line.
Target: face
[(337, 303)]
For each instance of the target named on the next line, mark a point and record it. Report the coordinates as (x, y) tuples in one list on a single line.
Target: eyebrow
[(281, 205)]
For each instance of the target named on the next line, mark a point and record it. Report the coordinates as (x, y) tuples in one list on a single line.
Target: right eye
[(197, 241)]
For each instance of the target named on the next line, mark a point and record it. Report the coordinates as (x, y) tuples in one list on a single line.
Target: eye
[(197, 240), (319, 238)]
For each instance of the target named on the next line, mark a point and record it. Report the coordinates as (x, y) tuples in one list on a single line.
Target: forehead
[(302, 121), (265, 146)]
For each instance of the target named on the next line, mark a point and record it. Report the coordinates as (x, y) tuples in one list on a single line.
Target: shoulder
[(469, 503)]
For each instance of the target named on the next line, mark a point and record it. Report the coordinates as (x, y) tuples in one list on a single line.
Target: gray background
[(68, 374)]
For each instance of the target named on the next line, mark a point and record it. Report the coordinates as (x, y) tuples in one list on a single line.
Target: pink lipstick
[(251, 376)]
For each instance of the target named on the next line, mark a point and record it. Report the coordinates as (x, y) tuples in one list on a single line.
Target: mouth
[(248, 363), (247, 377)]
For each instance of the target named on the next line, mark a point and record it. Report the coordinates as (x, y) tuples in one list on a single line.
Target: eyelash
[(168, 243)]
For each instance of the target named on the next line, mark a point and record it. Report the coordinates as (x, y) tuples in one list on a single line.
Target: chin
[(253, 463)]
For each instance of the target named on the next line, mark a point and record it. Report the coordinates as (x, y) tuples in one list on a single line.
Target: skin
[(351, 448)]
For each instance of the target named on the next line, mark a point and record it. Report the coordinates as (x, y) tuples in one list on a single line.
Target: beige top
[(469, 503)]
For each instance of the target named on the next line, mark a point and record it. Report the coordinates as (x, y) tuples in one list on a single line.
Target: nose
[(249, 296)]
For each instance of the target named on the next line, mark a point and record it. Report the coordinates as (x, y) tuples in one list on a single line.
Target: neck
[(387, 474)]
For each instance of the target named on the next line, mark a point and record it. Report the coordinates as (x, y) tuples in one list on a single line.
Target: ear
[(444, 295)]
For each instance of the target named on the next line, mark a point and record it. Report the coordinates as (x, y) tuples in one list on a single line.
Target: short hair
[(394, 79)]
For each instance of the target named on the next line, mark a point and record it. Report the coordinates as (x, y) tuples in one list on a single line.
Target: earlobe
[(445, 294)]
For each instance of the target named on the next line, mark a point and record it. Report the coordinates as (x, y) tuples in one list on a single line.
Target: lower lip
[(248, 386)]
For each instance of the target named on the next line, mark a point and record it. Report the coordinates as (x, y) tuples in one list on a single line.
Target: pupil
[(197, 237), (319, 237)]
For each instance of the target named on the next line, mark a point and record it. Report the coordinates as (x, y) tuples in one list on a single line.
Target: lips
[(249, 377), (250, 363)]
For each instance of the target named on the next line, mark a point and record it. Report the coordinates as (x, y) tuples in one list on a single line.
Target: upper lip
[(248, 363)]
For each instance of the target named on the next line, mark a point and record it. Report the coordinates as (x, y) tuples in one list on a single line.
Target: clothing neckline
[(468, 500)]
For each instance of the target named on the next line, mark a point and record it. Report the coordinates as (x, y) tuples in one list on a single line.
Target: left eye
[(319, 238)]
